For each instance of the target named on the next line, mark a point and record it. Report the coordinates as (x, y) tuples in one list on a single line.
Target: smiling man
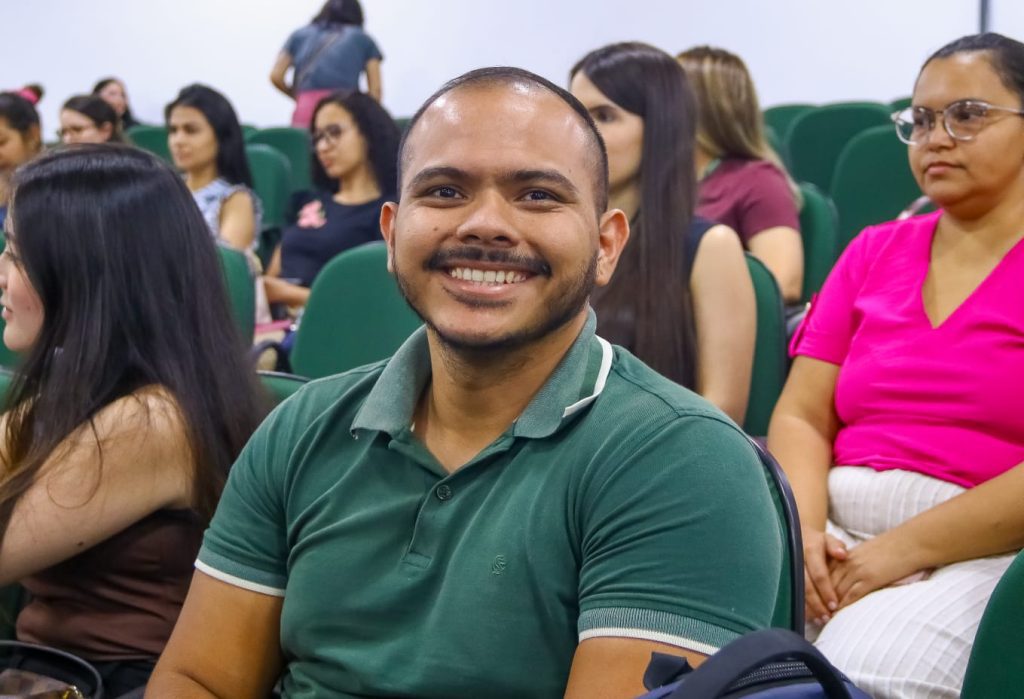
[(508, 507)]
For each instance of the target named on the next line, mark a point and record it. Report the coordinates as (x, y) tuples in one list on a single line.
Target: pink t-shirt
[(948, 401)]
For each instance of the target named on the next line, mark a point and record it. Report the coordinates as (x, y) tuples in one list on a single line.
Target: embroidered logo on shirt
[(498, 565), (312, 215)]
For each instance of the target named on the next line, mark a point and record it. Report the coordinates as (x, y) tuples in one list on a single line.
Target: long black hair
[(20, 115), (232, 164), (340, 12), (98, 112), (133, 296), (377, 128), (646, 306)]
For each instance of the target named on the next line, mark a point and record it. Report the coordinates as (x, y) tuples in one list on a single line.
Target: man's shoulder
[(330, 395)]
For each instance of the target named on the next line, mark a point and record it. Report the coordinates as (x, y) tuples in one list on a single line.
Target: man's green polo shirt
[(618, 504)]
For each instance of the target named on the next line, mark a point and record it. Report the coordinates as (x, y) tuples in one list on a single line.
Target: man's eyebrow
[(550, 177), (447, 172)]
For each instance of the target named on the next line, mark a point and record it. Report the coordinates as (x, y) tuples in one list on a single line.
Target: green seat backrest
[(996, 665), (777, 121), (402, 123), (770, 363), (7, 357), (816, 138), (151, 138), (900, 104), (271, 178), (872, 181), (819, 229), (247, 130), (355, 315), (280, 385), (241, 290), (293, 144)]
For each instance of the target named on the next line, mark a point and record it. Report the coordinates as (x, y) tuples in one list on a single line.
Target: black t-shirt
[(324, 229)]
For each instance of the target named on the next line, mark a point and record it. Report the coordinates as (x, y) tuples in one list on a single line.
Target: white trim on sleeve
[(658, 637), (239, 582)]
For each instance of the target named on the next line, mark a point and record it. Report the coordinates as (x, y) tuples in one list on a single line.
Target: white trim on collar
[(602, 377)]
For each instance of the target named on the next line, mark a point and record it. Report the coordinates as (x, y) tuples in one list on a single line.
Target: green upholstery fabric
[(819, 229), (900, 104), (355, 315), (770, 364), (780, 117), (872, 182), (280, 385), (816, 138), (151, 138), (996, 665), (241, 290), (293, 144), (271, 177)]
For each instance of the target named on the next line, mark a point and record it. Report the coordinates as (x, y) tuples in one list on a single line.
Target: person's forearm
[(805, 456), (173, 685), (983, 521), (280, 291), (282, 86)]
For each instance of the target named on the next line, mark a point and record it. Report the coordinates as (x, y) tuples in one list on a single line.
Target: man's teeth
[(487, 276)]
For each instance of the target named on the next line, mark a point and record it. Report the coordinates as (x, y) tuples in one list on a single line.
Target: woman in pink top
[(900, 426)]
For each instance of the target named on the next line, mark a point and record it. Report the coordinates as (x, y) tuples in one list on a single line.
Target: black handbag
[(766, 664)]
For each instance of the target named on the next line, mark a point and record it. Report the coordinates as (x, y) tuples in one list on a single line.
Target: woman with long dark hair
[(681, 298), (207, 145), (328, 54), (355, 171), (133, 399), (89, 119)]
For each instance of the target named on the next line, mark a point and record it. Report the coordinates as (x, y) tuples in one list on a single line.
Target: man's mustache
[(468, 253)]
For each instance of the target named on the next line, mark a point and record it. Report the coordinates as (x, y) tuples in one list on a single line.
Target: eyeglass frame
[(74, 130), (324, 134), (895, 118)]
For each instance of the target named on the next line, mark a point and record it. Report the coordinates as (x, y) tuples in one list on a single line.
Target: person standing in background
[(327, 55)]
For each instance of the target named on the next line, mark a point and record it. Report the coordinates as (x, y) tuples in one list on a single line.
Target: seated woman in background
[(206, 144), (743, 184), (88, 119), (328, 54), (113, 92), (900, 426), (681, 299), (132, 402), (20, 139), (356, 146)]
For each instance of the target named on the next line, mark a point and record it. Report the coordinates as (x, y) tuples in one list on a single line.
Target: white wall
[(798, 50)]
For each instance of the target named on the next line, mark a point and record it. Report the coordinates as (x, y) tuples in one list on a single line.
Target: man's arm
[(226, 644), (613, 668)]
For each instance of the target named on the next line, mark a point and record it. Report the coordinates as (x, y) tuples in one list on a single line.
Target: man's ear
[(388, 215), (613, 234)]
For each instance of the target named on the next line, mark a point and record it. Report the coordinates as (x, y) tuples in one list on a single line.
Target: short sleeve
[(769, 203), (370, 49), (246, 542), (681, 542), (831, 320), (293, 44)]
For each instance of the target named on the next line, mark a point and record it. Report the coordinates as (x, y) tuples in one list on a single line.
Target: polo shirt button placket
[(443, 492)]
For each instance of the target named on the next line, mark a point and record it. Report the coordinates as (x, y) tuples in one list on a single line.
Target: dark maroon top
[(749, 196), (119, 599)]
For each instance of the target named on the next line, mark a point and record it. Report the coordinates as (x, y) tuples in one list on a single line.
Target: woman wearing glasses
[(89, 119), (356, 145), (900, 426)]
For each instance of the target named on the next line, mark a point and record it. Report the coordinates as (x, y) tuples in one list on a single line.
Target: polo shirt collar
[(576, 383)]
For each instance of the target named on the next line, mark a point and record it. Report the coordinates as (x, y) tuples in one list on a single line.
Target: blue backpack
[(767, 664)]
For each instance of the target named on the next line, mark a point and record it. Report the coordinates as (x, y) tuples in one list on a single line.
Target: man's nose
[(490, 219)]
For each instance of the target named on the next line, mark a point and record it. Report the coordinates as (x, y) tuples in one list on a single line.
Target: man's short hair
[(505, 76)]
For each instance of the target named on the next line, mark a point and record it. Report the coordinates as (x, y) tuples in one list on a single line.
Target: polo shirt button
[(443, 492)]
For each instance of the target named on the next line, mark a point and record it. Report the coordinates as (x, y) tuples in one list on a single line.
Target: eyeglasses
[(963, 120), (329, 134), (72, 131)]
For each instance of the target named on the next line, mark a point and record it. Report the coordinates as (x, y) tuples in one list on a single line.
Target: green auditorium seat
[(872, 182), (355, 316), (780, 117), (816, 138), (241, 290), (271, 175), (900, 104), (151, 138), (996, 665), (293, 144), (280, 385), (819, 229), (770, 363)]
